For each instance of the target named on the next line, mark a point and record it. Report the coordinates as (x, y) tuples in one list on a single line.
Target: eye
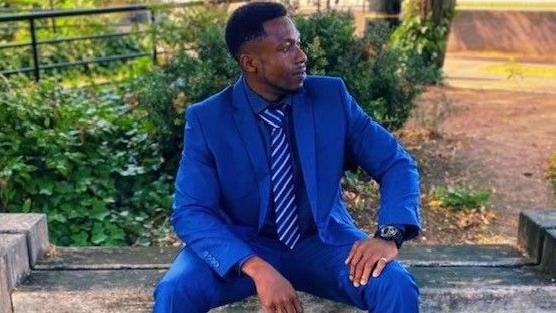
[(286, 48)]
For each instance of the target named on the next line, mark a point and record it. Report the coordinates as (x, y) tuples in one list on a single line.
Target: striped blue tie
[(283, 186)]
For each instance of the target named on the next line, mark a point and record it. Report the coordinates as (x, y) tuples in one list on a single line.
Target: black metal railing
[(35, 43)]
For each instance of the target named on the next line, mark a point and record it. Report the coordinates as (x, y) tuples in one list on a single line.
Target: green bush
[(85, 159), (178, 29), (100, 162), (462, 198), (166, 92), (552, 171), (384, 80), (426, 35), (69, 51)]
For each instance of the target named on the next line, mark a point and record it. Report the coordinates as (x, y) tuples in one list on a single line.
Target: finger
[(366, 272), (356, 258), (351, 252), (289, 307), (381, 263), (358, 255), (358, 271), (278, 308), (298, 305), (269, 309)]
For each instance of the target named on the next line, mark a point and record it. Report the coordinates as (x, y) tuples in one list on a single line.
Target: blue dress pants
[(191, 286)]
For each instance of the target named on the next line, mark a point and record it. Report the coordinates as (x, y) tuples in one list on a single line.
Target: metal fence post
[(35, 43), (35, 49), (153, 29)]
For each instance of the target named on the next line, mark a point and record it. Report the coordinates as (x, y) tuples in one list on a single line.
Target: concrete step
[(490, 278), (444, 289), (537, 236), (23, 241), (91, 258)]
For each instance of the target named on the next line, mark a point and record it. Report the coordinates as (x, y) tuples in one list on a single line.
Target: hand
[(365, 254), (275, 292)]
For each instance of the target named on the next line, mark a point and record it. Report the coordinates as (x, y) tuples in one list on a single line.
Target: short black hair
[(246, 23)]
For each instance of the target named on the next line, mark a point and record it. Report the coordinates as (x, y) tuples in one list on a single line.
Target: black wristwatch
[(389, 232)]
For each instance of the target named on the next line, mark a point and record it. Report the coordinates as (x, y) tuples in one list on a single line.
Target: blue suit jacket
[(223, 182)]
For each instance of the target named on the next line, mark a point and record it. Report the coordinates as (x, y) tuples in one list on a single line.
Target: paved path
[(499, 74)]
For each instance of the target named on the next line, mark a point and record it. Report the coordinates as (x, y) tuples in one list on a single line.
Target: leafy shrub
[(359, 191), (552, 171), (461, 198), (166, 92), (426, 35), (100, 163), (384, 80), (178, 29), (69, 51), (83, 158)]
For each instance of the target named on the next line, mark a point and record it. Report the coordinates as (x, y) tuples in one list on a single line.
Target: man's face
[(279, 64)]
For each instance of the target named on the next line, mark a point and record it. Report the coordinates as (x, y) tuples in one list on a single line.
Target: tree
[(440, 13), (425, 28)]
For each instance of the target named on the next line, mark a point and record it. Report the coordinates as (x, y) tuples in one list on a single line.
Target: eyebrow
[(290, 39)]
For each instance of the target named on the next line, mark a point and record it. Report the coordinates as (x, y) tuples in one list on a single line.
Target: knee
[(395, 280), (165, 290), (181, 293), (394, 290)]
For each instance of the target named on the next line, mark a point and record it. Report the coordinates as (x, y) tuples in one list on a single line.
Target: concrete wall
[(528, 35)]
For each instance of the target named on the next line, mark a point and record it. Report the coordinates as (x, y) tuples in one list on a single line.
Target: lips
[(300, 72)]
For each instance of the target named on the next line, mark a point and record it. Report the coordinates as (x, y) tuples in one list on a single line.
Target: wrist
[(254, 267), (390, 233), (391, 243)]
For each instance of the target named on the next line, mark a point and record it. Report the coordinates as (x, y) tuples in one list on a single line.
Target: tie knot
[(273, 116)]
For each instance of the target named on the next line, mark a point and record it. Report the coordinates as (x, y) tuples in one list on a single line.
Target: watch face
[(388, 231)]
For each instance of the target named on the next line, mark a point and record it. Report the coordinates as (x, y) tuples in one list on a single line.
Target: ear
[(248, 63)]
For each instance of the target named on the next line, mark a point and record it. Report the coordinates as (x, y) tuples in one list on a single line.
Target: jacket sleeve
[(196, 214), (378, 152)]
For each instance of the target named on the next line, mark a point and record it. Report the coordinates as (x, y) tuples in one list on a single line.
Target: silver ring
[(383, 258)]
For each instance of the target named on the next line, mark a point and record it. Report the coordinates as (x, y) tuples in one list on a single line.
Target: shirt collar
[(258, 103)]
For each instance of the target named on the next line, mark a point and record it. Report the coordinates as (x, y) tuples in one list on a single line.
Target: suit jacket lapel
[(250, 134), (304, 126)]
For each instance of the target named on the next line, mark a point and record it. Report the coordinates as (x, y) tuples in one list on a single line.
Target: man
[(258, 199)]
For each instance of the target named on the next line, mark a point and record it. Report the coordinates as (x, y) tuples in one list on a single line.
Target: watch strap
[(398, 240)]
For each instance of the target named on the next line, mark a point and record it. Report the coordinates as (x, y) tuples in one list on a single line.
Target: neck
[(266, 92)]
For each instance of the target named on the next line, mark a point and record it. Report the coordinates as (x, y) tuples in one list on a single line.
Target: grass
[(513, 68), (460, 199), (552, 171)]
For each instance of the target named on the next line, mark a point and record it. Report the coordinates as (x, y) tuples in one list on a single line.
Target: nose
[(301, 56)]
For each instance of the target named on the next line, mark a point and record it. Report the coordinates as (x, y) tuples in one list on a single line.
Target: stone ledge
[(97, 258), (445, 289), (548, 261), (94, 258), (13, 249), (532, 230), (5, 297), (33, 226)]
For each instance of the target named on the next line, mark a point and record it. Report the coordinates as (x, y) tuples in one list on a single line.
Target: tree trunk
[(438, 10)]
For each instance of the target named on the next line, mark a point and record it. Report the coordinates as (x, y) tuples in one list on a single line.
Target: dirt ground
[(498, 141)]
